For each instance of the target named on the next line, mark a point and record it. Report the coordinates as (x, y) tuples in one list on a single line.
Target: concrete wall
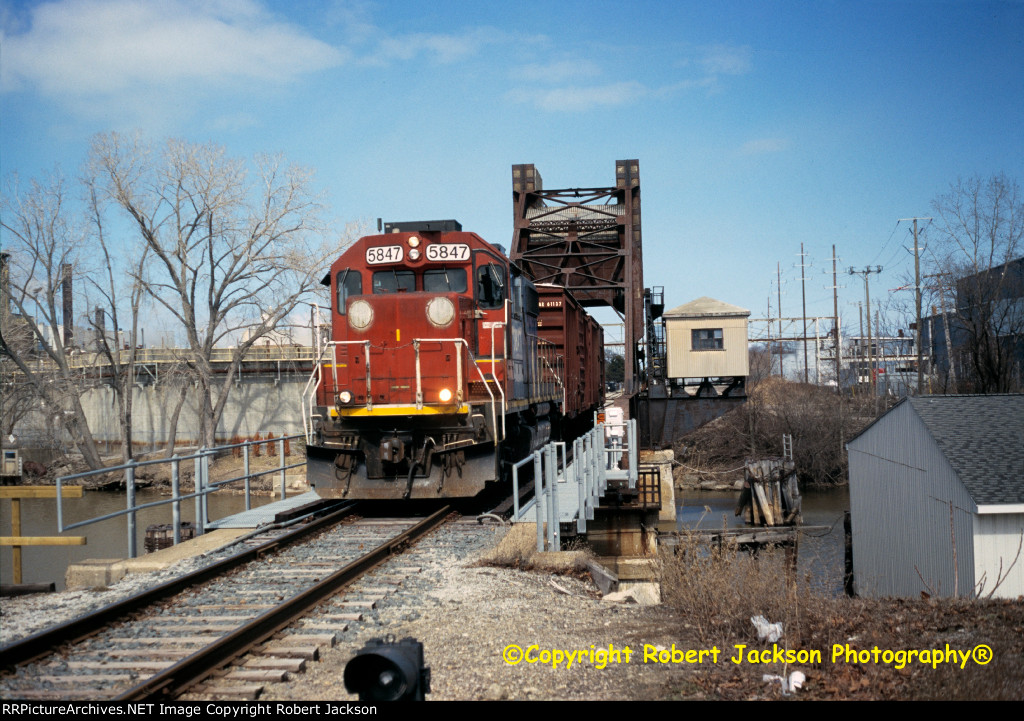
[(255, 405)]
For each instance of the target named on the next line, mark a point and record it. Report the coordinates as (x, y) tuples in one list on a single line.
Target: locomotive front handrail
[(310, 394), (494, 414), (458, 367), (458, 371), (318, 375), (504, 362)]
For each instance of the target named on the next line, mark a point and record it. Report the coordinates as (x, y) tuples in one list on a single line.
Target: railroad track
[(181, 636)]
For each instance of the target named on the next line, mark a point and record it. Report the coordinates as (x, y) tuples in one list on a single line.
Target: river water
[(820, 554), (106, 539)]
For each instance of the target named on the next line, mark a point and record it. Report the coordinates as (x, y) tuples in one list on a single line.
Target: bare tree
[(44, 240), (229, 251), (118, 295), (980, 238)]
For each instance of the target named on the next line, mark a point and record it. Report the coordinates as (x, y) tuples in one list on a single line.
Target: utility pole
[(917, 306), (860, 353), (945, 329), (803, 295), (868, 270), (778, 273), (835, 310)]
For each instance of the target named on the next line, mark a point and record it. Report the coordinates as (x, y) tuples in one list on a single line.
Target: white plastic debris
[(770, 632), (790, 685)]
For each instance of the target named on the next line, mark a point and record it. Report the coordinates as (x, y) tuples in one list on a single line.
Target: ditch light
[(388, 670)]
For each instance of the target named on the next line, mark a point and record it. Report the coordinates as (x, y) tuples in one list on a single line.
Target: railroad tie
[(310, 653)]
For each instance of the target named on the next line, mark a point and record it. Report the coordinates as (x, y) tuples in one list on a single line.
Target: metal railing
[(164, 356), (594, 464), (203, 487), (316, 379)]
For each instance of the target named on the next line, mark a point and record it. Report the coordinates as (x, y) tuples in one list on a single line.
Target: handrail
[(316, 379), (504, 362), (202, 487), (154, 356), (589, 472), (317, 373), (458, 367)]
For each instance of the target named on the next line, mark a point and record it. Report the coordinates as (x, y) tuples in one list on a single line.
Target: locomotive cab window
[(394, 281), (445, 280), (490, 286), (348, 282)]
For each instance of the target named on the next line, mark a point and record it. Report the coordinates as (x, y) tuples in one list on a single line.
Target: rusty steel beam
[(587, 240)]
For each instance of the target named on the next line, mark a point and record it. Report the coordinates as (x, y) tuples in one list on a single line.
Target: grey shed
[(939, 478)]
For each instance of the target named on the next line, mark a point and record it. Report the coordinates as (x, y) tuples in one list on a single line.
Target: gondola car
[(445, 365)]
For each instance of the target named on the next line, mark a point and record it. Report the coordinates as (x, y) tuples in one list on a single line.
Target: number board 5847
[(450, 252)]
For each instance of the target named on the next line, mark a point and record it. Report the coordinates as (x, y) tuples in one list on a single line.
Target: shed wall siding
[(684, 362), (900, 489), (998, 540)]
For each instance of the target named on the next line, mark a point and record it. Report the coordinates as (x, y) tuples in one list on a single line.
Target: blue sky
[(758, 125)]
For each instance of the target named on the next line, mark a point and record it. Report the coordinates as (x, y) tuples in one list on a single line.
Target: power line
[(886, 244)]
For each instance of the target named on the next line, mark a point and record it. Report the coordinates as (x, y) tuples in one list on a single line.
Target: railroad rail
[(148, 657)]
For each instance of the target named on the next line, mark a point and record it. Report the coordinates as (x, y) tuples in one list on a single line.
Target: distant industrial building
[(892, 360), (985, 327), (937, 498)]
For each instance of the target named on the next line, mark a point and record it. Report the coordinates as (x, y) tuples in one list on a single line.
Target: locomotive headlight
[(445, 395), (440, 312), (414, 254), (360, 314), (414, 242), (345, 397)]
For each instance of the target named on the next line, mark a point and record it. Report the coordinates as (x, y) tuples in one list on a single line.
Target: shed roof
[(705, 307), (982, 438)]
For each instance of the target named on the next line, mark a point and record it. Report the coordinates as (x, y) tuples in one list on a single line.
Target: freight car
[(445, 366)]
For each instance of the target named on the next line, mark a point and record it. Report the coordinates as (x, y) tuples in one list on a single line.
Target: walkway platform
[(567, 491), (100, 572), (264, 515)]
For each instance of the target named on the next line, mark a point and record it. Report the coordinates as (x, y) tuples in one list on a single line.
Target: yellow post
[(16, 540)]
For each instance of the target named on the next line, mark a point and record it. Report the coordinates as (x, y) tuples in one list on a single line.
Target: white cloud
[(764, 145), (725, 59), (440, 48), (577, 99), (103, 50), (234, 122), (705, 65), (556, 72)]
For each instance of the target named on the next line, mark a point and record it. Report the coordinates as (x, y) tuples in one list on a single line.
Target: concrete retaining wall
[(255, 405)]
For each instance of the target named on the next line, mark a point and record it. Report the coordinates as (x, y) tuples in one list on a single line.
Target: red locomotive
[(446, 364)]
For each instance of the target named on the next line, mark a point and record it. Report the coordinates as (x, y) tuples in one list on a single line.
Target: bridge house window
[(706, 339)]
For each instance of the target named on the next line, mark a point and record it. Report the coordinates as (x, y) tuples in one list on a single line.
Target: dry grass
[(713, 593), (718, 590), (518, 549)]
